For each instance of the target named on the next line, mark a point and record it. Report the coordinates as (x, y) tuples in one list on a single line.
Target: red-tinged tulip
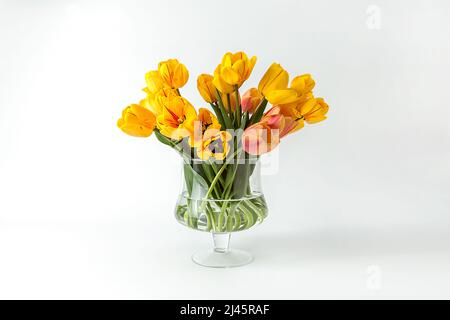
[(264, 136), (177, 118), (173, 73), (251, 100), (291, 125)]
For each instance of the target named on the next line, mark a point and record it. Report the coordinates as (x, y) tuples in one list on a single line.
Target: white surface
[(359, 206)]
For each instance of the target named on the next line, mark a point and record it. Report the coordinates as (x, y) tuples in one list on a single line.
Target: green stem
[(259, 112), (209, 174), (219, 115), (238, 106), (216, 170), (245, 120), (230, 111), (225, 116), (255, 209), (216, 178), (213, 183)]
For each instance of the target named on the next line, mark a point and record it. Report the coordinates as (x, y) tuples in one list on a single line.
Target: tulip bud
[(250, 100), (173, 73), (220, 83), (206, 88), (235, 68)]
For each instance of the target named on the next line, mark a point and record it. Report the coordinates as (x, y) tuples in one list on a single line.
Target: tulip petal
[(229, 75), (275, 78), (137, 121), (282, 96)]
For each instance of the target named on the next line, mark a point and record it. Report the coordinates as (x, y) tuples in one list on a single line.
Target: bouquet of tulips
[(220, 147)]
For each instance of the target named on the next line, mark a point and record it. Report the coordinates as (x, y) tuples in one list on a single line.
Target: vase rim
[(254, 195)]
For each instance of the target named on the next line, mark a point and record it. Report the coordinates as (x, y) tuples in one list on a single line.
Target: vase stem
[(221, 242)]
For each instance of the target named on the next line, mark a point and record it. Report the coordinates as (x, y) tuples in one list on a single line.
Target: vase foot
[(228, 259)]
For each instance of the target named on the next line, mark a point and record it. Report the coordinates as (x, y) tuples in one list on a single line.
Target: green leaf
[(192, 178), (259, 112), (219, 116), (163, 139)]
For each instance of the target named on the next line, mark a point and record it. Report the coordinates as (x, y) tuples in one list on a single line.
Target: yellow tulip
[(137, 121), (232, 101), (215, 144), (236, 68), (177, 118), (275, 78), (206, 88), (250, 100), (154, 81), (155, 100), (173, 73), (282, 96), (206, 120), (220, 83), (314, 110), (300, 91), (292, 109), (303, 84)]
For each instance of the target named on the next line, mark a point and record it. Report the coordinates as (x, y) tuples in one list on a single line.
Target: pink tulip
[(264, 136), (250, 100)]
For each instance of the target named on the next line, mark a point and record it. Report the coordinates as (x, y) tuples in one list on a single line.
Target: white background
[(359, 207)]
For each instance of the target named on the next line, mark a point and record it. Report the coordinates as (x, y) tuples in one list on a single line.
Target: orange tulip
[(155, 100), (177, 118), (173, 73), (137, 121)]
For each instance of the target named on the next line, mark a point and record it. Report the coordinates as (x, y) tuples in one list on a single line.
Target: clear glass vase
[(221, 198)]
